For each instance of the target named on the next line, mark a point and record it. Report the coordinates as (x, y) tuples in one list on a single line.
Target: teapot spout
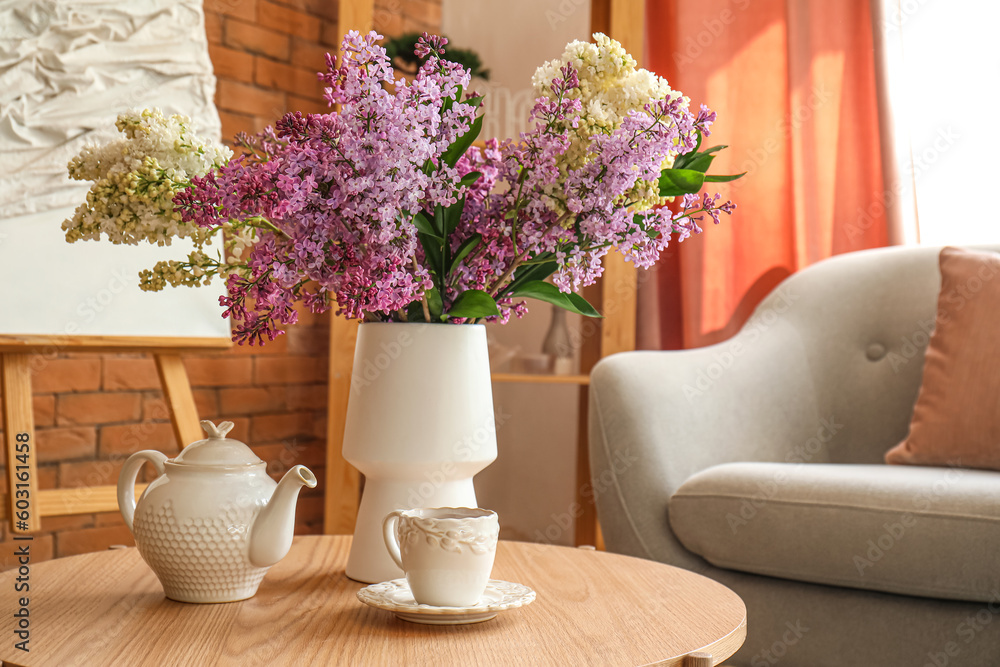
[(271, 533)]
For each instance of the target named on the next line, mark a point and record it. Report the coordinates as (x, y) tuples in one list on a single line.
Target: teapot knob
[(214, 431)]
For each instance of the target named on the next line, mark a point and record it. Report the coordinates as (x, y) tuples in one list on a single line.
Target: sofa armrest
[(656, 418)]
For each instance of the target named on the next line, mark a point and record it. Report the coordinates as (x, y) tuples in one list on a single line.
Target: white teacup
[(447, 553)]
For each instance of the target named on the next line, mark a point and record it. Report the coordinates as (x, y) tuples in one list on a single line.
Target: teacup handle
[(389, 533), (126, 480)]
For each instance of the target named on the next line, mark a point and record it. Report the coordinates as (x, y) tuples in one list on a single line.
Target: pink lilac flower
[(333, 197)]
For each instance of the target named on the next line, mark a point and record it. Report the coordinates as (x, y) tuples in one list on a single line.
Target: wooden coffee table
[(592, 608)]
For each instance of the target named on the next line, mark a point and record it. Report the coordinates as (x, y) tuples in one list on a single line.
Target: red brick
[(283, 426), (288, 20), (230, 63), (241, 430), (88, 540), (234, 123), (330, 35), (48, 476), (323, 8), (68, 522), (319, 426), (154, 406), (306, 105), (62, 375), (124, 439), (241, 98), (44, 409), (108, 519), (270, 74), (241, 8), (309, 55), (306, 396), (76, 474), (221, 371), (213, 27), (130, 373), (281, 457), (313, 340), (249, 400), (253, 38), (98, 408), (60, 444), (288, 370), (207, 403), (309, 510), (260, 123)]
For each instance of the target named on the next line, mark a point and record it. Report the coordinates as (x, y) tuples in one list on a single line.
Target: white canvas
[(67, 69)]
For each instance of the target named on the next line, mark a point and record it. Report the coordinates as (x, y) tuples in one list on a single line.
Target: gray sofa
[(758, 462)]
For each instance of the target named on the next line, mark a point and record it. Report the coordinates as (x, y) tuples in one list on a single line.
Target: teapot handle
[(126, 480)]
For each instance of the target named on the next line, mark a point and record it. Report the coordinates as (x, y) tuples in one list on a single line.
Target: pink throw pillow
[(956, 420)]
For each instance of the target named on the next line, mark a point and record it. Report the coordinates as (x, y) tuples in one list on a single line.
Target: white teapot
[(213, 522)]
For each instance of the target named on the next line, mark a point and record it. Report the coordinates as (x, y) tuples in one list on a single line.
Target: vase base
[(369, 561)]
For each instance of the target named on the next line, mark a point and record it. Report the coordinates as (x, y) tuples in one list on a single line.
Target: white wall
[(531, 485)]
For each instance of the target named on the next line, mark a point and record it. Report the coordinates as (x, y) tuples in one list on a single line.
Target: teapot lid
[(217, 449)]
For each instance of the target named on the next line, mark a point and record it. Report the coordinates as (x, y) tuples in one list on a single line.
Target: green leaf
[(718, 178), (682, 160), (473, 304), (700, 162), (475, 101), (458, 148), (463, 250), (583, 306), (714, 149), (415, 311), (528, 272), (470, 178), (432, 250), (674, 182), (434, 303), (439, 220), (453, 215), (424, 226), (543, 291)]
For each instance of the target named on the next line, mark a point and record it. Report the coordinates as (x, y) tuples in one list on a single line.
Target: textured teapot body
[(210, 531), (194, 532)]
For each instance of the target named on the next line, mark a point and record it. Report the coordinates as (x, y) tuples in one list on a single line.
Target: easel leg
[(180, 399), (19, 441)]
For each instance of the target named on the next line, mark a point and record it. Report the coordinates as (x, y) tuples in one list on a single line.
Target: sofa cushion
[(932, 532), (956, 420)]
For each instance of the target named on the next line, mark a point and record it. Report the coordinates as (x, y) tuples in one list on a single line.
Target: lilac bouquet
[(387, 209)]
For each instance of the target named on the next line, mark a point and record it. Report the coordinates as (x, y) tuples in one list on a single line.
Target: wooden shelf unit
[(541, 378)]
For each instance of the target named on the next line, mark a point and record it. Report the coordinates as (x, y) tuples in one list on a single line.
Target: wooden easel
[(16, 356)]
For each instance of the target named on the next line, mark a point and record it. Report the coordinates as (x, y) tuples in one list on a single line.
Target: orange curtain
[(793, 83)]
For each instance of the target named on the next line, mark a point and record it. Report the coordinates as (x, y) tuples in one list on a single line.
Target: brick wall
[(92, 411)]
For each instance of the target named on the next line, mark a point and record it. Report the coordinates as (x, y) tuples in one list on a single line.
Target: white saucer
[(395, 596)]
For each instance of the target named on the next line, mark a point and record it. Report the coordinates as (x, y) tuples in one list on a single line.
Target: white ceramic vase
[(420, 425)]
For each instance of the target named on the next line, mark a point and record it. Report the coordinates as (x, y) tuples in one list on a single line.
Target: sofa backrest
[(863, 321)]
